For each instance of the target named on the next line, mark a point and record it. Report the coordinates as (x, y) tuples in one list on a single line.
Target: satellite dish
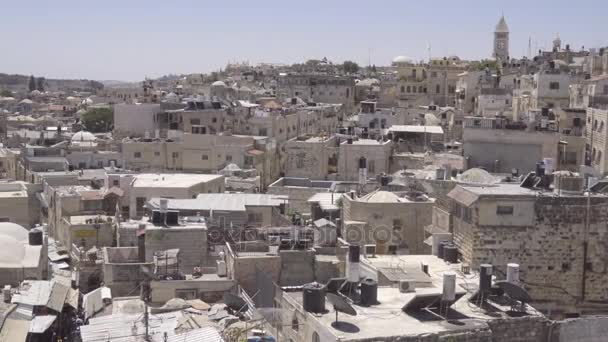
[(341, 305), (514, 291), (334, 285), (235, 303)]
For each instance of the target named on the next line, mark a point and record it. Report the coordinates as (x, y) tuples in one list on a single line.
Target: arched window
[(402, 89), (409, 89), (438, 89), (315, 337)]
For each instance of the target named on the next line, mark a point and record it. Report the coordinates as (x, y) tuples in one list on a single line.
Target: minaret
[(501, 40)]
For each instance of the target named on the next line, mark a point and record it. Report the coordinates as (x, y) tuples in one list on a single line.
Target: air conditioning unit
[(406, 286), (370, 251)]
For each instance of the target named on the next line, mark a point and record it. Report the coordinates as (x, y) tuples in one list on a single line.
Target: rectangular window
[(100, 163), (156, 154), (504, 210), (175, 155), (205, 157), (137, 155), (228, 157), (249, 160), (116, 182), (195, 121), (554, 85), (214, 120)]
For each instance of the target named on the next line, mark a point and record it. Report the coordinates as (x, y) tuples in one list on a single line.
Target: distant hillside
[(19, 83)]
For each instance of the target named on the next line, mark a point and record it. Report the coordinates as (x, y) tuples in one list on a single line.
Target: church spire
[(502, 27)]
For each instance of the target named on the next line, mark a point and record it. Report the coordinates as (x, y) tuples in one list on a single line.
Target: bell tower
[(501, 40)]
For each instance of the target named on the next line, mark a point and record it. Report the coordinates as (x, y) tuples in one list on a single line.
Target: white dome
[(28, 101), (402, 59), (87, 101), (12, 251), (83, 136), (218, 84), (245, 89), (14, 231)]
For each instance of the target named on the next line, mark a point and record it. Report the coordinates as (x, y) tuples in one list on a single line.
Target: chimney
[(352, 265), (485, 279), (6, 293), (513, 273), (141, 244)]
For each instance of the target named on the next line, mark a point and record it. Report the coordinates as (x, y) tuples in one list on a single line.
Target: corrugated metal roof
[(207, 334), (326, 200), (14, 330), (40, 324), (92, 302), (57, 296), (33, 292), (416, 129), (462, 196), (120, 327)]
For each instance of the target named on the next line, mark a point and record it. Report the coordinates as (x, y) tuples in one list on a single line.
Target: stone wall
[(551, 252), (297, 267)]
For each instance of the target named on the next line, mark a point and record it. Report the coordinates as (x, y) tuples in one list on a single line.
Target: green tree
[(98, 120), (6, 93), (350, 67), (40, 83), (32, 83)]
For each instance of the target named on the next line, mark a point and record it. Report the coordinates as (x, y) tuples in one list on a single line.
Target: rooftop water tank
[(313, 298)]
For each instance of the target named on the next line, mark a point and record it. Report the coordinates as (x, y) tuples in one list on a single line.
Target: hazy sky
[(130, 39)]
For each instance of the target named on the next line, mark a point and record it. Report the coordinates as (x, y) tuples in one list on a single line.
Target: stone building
[(176, 185), (375, 152), (313, 157), (395, 221), (203, 153), (597, 142), (557, 237), (320, 88), (498, 146)]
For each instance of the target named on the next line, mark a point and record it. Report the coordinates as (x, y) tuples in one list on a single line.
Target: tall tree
[(6, 93), (350, 67), (98, 120), (32, 83), (40, 83)]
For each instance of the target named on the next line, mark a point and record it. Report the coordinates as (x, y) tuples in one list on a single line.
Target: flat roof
[(172, 180), (416, 129), (388, 319), (216, 201)]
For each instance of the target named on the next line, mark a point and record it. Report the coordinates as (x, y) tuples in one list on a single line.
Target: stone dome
[(14, 231), (12, 251), (477, 176), (83, 136), (219, 84), (402, 60)]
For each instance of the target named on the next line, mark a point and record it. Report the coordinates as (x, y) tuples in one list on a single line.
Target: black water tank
[(35, 237), (172, 217), (369, 292), (157, 217), (354, 253), (485, 278), (313, 298), (540, 169), (384, 180), (450, 254), (441, 249)]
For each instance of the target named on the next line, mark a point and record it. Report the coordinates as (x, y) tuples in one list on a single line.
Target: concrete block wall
[(297, 267)]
